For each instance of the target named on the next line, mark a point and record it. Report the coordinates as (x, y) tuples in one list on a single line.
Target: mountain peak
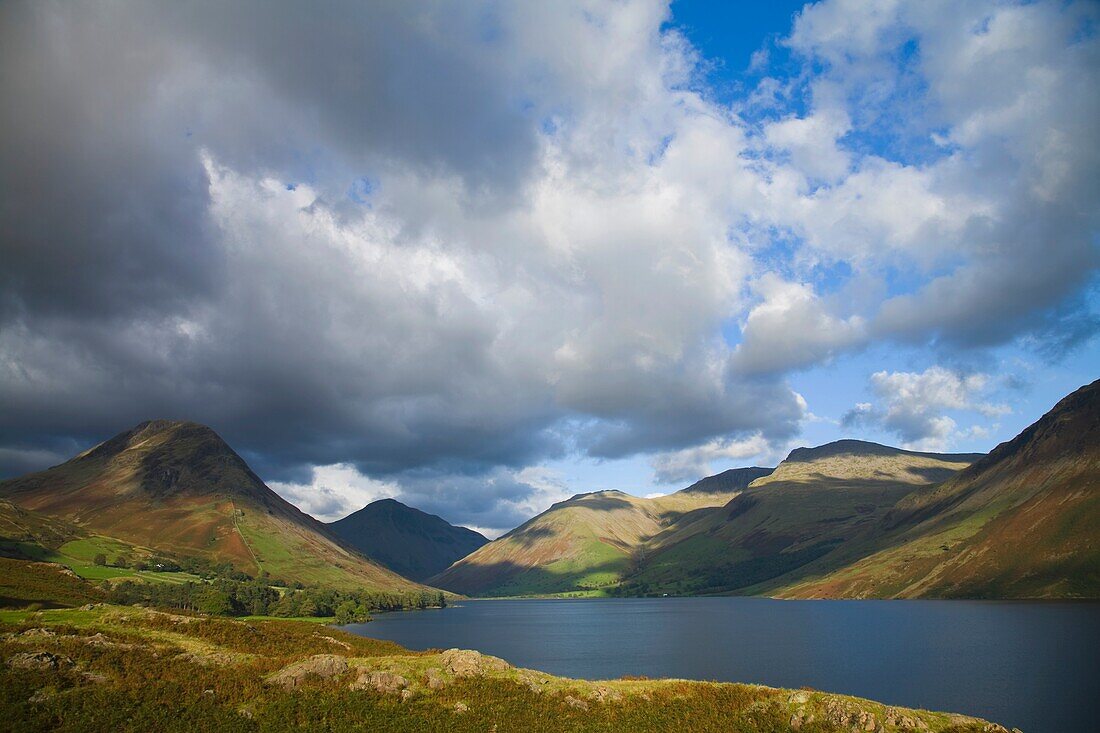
[(734, 479), (177, 486), (405, 539)]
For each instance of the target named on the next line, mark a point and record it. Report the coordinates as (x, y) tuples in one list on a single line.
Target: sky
[(483, 256)]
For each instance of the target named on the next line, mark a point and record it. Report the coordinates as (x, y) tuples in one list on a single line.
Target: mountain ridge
[(1039, 491)]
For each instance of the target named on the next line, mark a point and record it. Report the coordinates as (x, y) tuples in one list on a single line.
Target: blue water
[(1031, 665)]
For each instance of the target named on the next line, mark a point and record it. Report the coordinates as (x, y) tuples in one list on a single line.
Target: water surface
[(1031, 665)]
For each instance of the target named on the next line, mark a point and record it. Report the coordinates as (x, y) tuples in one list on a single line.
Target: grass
[(23, 583), (138, 670), (586, 573)]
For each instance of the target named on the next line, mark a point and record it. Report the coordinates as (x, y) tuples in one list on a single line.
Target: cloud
[(423, 248), (691, 464), (791, 328), (914, 403), (492, 502)]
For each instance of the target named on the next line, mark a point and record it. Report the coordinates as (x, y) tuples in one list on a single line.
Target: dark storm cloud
[(143, 276)]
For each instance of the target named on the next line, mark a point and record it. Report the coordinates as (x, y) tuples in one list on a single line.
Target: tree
[(345, 612), (307, 607), (100, 559), (214, 602)]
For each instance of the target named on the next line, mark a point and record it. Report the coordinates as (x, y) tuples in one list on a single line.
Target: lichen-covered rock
[(605, 694), (461, 707), (574, 702), (388, 683), (799, 719), (846, 715), (531, 681), (434, 679), (323, 666), (38, 632), (39, 661), (799, 697), (99, 640), (903, 721), (468, 663)]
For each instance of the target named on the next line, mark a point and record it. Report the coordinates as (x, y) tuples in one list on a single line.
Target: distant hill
[(813, 502), (410, 542), (178, 488), (584, 544), (1023, 522)]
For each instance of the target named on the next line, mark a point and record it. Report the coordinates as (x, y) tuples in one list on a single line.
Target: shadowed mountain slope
[(814, 501), (177, 487), (408, 541), (584, 544), (1023, 522)]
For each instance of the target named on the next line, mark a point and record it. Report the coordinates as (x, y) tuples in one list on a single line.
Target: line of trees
[(234, 597)]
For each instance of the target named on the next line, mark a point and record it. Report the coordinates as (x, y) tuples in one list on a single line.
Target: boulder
[(461, 707), (605, 694), (323, 666), (37, 632), (434, 679), (575, 703), (39, 661), (388, 683), (467, 663)]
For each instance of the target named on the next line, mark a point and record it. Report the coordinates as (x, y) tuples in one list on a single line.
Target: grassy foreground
[(113, 668)]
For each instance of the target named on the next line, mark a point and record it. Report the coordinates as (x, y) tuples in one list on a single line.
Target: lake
[(1031, 665)]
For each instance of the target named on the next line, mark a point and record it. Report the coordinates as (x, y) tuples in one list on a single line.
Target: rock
[(41, 696), (387, 683), (407, 694), (467, 663), (40, 661), (99, 640), (531, 682), (461, 707), (575, 703), (323, 666), (337, 642), (434, 679), (605, 694), (37, 632), (800, 697)]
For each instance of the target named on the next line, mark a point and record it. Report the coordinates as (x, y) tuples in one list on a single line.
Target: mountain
[(177, 487), (410, 542), (813, 502), (584, 544), (1020, 523)]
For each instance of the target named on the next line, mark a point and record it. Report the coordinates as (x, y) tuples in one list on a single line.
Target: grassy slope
[(48, 584), (812, 504), (1019, 524), (29, 535), (583, 545), (137, 670), (179, 488)]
